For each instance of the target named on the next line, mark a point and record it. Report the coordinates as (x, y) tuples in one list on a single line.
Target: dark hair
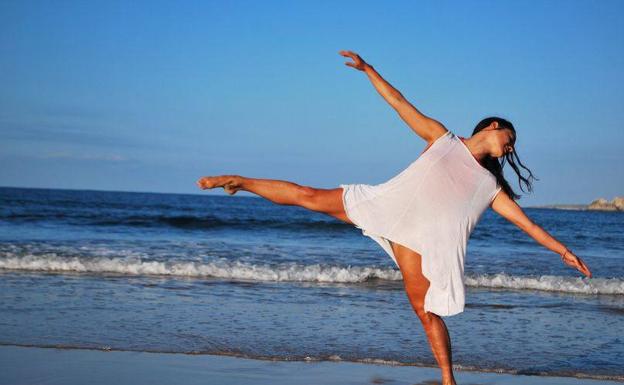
[(496, 167)]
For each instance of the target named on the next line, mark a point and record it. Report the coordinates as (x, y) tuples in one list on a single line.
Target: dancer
[(423, 216)]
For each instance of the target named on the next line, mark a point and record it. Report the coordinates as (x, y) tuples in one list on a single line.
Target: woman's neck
[(477, 147)]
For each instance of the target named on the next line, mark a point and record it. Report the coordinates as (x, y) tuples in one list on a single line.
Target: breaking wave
[(292, 272)]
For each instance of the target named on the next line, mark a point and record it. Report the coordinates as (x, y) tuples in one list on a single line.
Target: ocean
[(239, 275)]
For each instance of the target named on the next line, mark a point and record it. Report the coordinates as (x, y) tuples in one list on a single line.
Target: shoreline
[(68, 365)]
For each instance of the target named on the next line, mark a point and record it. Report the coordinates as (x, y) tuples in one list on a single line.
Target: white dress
[(431, 207)]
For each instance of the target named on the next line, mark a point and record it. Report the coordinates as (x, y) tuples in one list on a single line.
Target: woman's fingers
[(580, 266), (577, 263), (351, 57), (357, 63), (347, 53), (356, 58), (585, 268)]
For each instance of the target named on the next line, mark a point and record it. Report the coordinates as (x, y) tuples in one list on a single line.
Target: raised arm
[(509, 209), (427, 128)]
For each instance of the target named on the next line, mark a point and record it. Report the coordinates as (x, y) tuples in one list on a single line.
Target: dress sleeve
[(495, 193), (447, 136)]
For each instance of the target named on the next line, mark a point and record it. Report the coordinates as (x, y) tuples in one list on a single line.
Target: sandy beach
[(28, 365)]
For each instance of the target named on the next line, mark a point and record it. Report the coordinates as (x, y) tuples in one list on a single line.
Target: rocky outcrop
[(601, 204), (617, 204)]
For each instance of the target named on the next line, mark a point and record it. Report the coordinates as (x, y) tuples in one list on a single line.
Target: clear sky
[(150, 96)]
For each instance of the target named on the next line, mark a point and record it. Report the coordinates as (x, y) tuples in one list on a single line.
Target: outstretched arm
[(509, 209), (427, 128)]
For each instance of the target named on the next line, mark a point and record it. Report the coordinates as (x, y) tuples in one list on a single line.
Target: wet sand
[(30, 365)]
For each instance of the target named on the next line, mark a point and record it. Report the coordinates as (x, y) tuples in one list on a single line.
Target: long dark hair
[(496, 166)]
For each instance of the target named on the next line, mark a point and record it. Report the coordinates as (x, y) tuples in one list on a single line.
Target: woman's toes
[(230, 183), (208, 182)]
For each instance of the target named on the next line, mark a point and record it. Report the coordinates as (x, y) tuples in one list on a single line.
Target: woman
[(424, 216)]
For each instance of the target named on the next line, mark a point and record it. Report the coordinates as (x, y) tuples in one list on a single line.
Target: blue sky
[(150, 96)]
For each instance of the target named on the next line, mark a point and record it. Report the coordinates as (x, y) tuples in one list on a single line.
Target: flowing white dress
[(431, 207)]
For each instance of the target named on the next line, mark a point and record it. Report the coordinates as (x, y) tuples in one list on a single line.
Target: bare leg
[(416, 286), (327, 201)]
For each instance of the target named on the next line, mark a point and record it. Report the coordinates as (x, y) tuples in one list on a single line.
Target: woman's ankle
[(448, 379)]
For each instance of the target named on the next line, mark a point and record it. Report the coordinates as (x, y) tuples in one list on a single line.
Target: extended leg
[(326, 201), (416, 286)]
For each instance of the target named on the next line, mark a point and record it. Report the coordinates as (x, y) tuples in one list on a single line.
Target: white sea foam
[(218, 269), (291, 272), (579, 285)]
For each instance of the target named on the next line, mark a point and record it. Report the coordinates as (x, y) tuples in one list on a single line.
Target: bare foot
[(230, 183)]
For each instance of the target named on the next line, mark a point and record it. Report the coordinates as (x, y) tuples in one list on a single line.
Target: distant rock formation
[(600, 204), (617, 204)]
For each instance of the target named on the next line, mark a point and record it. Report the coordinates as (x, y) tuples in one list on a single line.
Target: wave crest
[(225, 269), (292, 272)]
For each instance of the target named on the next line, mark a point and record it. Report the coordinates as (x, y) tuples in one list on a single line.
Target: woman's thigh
[(416, 285)]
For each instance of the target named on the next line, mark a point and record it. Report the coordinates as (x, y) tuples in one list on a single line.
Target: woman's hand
[(358, 62), (573, 261)]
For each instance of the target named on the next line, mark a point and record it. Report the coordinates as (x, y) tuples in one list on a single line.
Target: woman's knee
[(418, 304), (323, 201), (306, 196), (310, 198), (320, 200), (425, 317)]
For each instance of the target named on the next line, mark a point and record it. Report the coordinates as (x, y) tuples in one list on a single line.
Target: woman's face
[(504, 140)]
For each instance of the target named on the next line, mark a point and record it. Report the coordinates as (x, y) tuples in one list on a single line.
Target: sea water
[(239, 275)]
